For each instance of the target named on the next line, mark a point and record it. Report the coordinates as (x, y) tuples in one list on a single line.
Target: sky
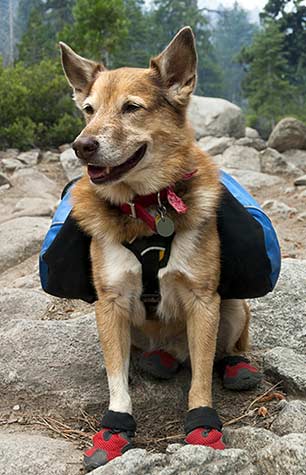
[(247, 4)]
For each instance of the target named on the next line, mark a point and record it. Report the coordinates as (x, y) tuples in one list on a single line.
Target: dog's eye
[(130, 107), (88, 109)]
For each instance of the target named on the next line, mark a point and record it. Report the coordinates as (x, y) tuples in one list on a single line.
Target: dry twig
[(259, 398)]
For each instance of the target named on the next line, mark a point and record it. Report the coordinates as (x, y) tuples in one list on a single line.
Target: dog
[(147, 180)]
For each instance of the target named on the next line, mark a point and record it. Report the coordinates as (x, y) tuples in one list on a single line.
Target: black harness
[(153, 253)]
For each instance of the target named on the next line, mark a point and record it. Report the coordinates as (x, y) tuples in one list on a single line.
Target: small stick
[(67, 432), (237, 419), (178, 436), (53, 428), (4, 422), (258, 398)]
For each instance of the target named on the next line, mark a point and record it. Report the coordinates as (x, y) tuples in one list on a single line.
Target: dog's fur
[(191, 317)]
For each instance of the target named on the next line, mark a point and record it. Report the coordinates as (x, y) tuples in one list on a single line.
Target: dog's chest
[(146, 271)]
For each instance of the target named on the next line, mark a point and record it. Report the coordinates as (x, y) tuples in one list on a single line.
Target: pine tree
[(267, 87), (290, 16), (99, 28), (135, 50), (45, 19), (168, 16)]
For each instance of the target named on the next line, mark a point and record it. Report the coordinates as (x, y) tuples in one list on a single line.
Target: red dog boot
[(238, 374), (112, 441), (107, 445), (159, 364), (203, 427)]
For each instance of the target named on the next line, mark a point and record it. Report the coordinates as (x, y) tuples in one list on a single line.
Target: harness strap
[(153, 253)]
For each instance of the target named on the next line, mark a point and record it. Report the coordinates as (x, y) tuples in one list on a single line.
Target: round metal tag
[(164, 226)]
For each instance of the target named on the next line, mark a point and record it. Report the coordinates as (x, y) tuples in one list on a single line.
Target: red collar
[(137, 207)]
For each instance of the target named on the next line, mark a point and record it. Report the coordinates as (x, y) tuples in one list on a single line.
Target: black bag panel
[(245, 266), (69, 264)]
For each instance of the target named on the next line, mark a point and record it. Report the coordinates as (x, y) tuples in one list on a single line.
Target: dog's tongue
[(96, 172)]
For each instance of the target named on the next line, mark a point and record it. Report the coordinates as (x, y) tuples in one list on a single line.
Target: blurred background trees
[(261, 66)]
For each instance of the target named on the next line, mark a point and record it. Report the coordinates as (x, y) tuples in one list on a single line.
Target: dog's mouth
[(106, 174)]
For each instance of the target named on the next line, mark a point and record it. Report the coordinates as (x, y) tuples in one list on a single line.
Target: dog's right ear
[(79, 71)]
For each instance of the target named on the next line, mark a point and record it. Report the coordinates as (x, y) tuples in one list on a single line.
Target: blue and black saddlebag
[(250, 253)]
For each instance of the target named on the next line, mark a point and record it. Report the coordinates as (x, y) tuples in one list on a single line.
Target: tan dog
[(137, 141)]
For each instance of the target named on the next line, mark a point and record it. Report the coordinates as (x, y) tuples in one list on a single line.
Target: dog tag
[(164, 226)]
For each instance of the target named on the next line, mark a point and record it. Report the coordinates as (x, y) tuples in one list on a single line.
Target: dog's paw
[(207, 437), (159, 363), (107, 445), (238, 374)]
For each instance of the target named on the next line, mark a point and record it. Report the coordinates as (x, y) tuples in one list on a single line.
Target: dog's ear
[(177, 66), (79, 71)]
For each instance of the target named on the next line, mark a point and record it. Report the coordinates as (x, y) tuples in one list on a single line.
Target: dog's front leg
[(202, 423), (114, 332), (118, 424)]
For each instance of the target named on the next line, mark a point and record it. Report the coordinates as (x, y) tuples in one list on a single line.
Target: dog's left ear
[(177, 66)]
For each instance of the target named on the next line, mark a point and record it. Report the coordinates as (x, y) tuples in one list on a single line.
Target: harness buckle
[(133, 211)]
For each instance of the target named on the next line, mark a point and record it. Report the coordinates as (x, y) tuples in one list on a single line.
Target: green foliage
[(45, 20), (35, 107), (266, 84), (167, 18), (290, 16), (276, 64), (137, 47), (99, 28)]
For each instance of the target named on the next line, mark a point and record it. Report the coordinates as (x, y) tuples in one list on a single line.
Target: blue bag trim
[(251, 205), (58, 220)]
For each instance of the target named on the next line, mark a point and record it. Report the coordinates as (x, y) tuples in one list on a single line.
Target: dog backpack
[(250, 252)]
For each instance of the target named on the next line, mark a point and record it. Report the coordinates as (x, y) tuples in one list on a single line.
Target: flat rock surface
[(292, 418), (23, 304), (36, 454), (54, 363), (285, 456), (215, 145), (274, 162), (296, 158), (33, 206), (30, 231), (238, 156), (288, 366), (279, 317), (254, 180), (248, 438), (32, 182), (186, 460), (71, 164)]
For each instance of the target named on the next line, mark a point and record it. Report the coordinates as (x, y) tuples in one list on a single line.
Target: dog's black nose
[(85, 147)]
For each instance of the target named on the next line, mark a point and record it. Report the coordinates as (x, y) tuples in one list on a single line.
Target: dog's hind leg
[(233, 327), (233, 339), (164, 347)]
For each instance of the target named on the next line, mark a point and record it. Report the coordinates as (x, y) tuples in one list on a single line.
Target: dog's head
[(136, 130)]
